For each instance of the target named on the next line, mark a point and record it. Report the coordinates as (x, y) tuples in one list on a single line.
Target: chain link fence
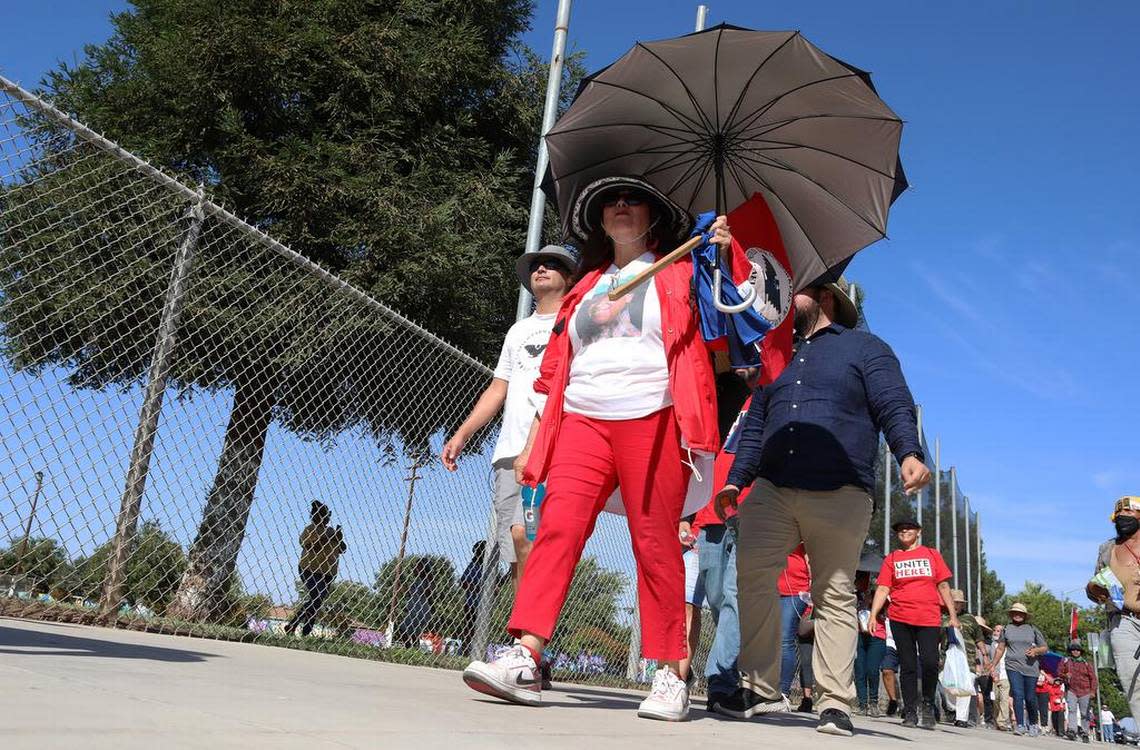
[(207, 434)]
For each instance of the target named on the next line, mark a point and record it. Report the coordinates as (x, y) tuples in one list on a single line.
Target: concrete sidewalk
[(70, 686)]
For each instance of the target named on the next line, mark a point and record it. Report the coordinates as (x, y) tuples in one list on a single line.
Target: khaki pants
[(1001, 705), (832, 526)]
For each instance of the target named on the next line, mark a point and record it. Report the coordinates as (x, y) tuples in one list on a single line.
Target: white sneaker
[(513, 676), (668, 698)]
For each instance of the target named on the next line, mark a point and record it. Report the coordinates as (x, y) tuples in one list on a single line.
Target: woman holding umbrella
[(629, 399)]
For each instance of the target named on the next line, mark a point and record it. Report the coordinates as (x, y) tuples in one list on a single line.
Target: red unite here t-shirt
[(913, 579)]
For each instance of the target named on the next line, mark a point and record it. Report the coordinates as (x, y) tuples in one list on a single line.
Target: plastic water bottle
[(532, 498)]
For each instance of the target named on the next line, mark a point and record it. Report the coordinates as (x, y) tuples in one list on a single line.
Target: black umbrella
[(714, 117)]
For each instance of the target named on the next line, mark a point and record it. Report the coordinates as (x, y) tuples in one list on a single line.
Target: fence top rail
[(210, 208)]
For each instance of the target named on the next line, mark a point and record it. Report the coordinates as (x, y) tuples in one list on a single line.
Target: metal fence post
[(488, 588), (549, 113), (938, 494), (886, 498), (147, 428), (633, 663), (978, 544), (918, 495), (954, 519), (969, 579)]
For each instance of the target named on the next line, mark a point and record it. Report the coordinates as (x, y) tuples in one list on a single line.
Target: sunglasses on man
[(549, 265)]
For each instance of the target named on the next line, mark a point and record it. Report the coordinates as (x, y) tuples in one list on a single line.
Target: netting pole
[(938, 494), (886, 499), (633, 663), (403, 545), (978, 544), (969, 578), (488, 586), (919, 495), (151, 410), (28, 526), (954, 519)]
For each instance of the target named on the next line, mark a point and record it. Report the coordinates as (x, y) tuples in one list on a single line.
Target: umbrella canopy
[(713, 117)]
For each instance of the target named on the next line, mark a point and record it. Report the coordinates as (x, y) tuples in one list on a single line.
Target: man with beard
[(808, 449)]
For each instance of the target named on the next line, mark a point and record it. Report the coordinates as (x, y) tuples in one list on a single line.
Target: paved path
[(70, 686)]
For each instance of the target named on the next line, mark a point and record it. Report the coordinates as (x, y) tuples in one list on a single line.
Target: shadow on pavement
[(34, 643)]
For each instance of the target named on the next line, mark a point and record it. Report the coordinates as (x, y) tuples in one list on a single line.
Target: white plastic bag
[(956, 677)]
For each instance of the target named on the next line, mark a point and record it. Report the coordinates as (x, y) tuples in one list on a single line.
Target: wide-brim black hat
[(587, 211)]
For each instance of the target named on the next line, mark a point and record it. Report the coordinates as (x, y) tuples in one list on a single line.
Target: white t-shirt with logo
[(619, 369), (519, 362)]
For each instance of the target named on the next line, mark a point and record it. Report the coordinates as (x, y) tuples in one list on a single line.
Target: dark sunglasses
[(627, 197), (549, 265)]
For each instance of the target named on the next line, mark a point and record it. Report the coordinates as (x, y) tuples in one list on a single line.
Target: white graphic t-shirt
[(619, 369), (519, 362)]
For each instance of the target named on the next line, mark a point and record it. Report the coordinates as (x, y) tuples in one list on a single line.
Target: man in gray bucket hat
[(546, 274)]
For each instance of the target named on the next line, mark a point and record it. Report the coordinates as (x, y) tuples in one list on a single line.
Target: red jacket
[(1079, 676), (692, 381)]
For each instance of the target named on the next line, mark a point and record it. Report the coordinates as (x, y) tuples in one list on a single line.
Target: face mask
[(1126, 528)]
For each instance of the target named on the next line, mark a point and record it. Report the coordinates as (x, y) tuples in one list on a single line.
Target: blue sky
[(1007, 287)]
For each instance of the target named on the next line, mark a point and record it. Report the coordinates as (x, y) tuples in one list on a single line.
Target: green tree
[(155, 564), (349, 603), (390, 141), (42, 561), (993, 591)]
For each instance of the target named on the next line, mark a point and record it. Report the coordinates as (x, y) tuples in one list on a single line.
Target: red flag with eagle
[(754, 227)]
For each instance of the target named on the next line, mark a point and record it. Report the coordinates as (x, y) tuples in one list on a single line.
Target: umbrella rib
[(716, 78), (748, 83), (617, 157), (681, 117), (787, 145), (788, 167), (791, 213), (659, 129), (676, 160), (685, 86), (763, 109), (747, 133), (700, 183), (694, 164)]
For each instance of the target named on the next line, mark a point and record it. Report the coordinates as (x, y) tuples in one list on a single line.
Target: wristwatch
[(917, 454)]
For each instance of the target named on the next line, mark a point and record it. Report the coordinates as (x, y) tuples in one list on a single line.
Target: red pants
[(644, 458)]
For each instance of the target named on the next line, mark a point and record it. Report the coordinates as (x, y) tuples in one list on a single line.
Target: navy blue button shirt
[(817, 426)]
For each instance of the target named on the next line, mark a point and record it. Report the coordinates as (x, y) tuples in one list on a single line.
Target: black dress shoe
[(834, 721)]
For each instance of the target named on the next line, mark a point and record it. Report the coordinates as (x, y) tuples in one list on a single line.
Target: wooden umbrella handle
[(619, 292)]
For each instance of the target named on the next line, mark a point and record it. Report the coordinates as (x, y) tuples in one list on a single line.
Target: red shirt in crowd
[(913, 577), (796, 576)]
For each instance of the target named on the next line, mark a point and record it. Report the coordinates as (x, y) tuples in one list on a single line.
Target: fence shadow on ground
[(58, 643)]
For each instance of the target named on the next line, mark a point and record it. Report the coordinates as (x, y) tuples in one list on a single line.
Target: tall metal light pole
[(549, 113)]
